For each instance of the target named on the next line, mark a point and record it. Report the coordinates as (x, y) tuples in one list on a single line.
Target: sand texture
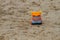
[(15, 16)]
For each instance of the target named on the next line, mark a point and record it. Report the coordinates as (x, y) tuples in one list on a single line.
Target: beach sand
[(15, 16)]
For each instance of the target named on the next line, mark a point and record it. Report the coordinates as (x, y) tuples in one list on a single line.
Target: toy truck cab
[(36, 18)]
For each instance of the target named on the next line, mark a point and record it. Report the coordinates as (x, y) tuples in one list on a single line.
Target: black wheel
[(36, 23)]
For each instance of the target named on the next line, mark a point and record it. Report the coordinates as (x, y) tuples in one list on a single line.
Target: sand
[(15, 16)]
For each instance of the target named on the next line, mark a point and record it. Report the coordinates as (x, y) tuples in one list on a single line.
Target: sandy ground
[(15, 18)]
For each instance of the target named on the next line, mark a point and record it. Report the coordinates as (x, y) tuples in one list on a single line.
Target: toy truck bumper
[(36, 22)]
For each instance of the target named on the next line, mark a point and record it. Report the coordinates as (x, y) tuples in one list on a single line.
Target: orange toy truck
[(36, 18)]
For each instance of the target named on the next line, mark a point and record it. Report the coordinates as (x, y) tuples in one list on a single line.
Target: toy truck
[(36, 18)]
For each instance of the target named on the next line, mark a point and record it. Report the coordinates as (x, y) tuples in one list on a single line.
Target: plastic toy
[(36, 18)]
